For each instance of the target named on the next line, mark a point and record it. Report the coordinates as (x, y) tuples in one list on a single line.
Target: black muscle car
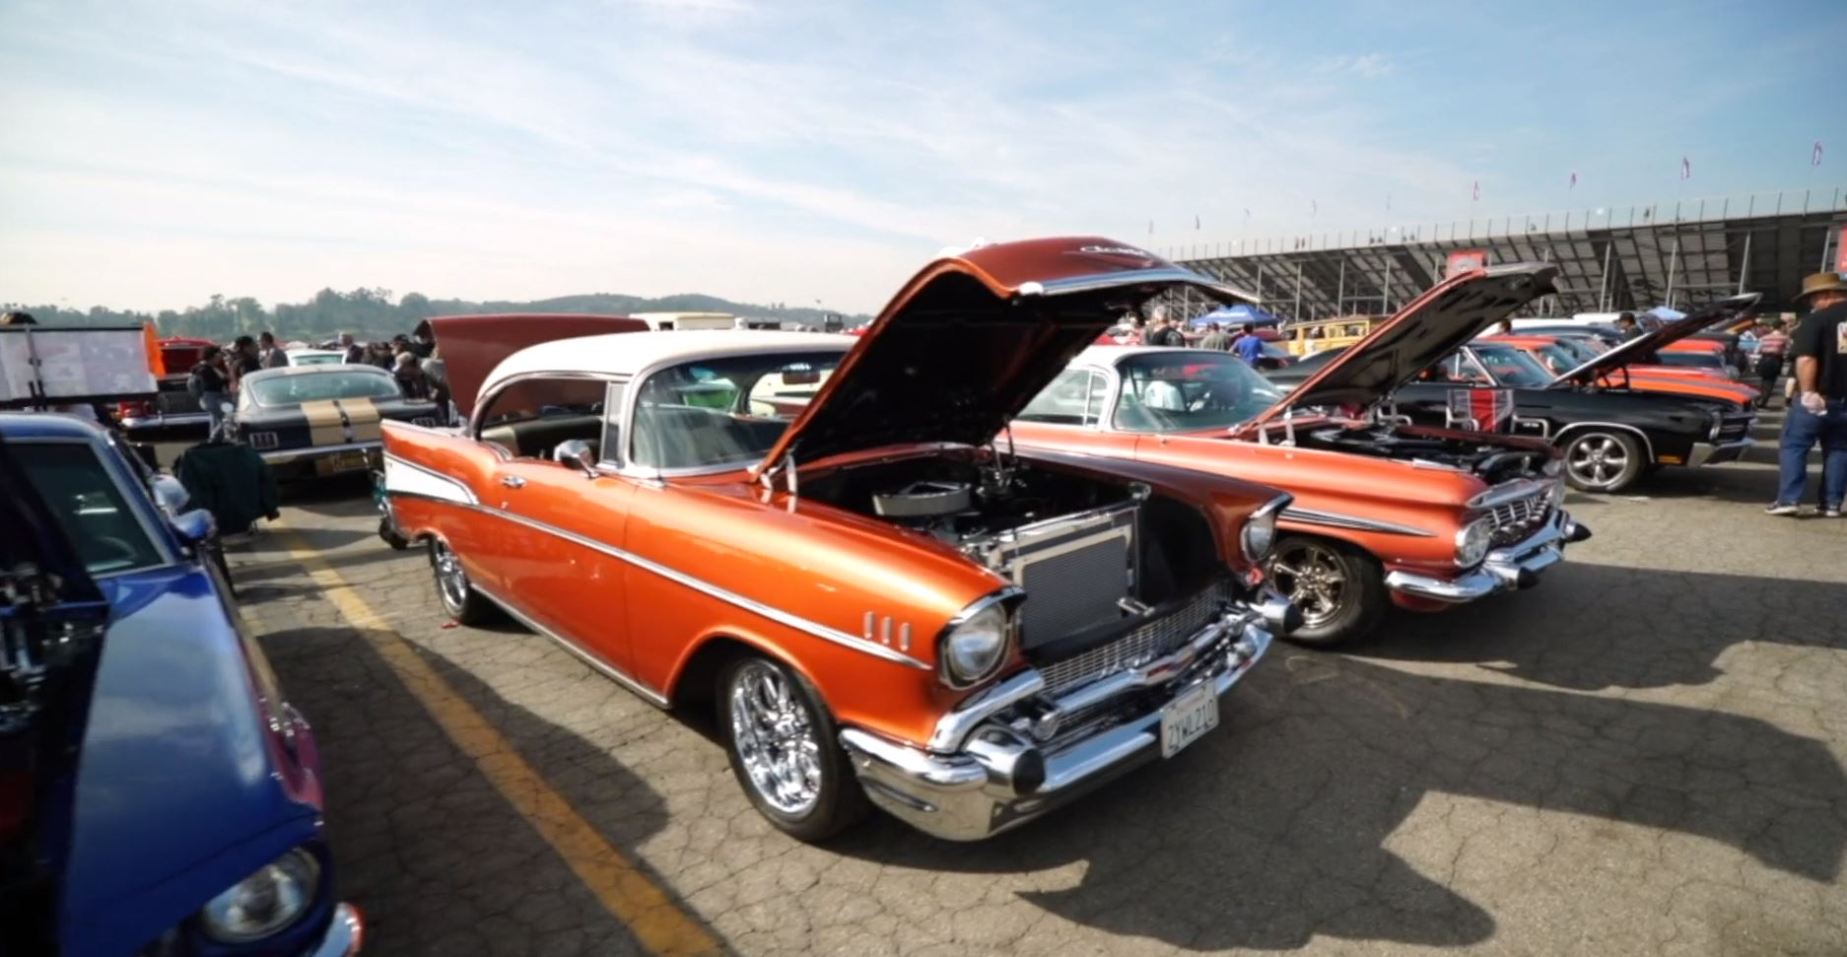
[(1610, 439), (315, 420)]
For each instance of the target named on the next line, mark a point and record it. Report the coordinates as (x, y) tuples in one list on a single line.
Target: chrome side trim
[(954, 727), (429, 483), (1309, 516), (281, 456), (751, 605), (610, 671)]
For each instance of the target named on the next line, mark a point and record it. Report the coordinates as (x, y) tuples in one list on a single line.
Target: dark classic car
[(318, 420), (196, 816), (1611, 438)]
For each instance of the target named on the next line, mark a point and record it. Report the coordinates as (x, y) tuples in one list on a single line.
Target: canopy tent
[(1232, 317), (1666, 313)]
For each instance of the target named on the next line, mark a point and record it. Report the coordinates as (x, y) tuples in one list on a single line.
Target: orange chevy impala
[(1384, 511), (818, 537)]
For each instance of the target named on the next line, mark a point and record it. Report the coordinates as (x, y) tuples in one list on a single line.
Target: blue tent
[(1231, 317)]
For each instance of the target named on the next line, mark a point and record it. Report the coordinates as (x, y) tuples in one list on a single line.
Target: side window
[(531, 416), (1099, 392)]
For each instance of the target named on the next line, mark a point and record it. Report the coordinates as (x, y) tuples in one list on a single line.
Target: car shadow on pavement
[(437, 858), (1281, 830), (1591, 627)]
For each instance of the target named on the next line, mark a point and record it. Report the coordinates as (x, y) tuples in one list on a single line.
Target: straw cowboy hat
[(1821, 282)]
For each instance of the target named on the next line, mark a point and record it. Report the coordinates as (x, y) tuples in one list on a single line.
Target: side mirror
[(195, 527), (577, 452), (170, 495)]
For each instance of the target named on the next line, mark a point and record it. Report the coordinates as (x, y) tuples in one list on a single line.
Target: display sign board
[(42, 365), (1481, 410), (1840, 251), (1462, 259)]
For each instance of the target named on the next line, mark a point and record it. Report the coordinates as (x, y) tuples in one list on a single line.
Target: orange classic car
[(1384, 511), (817, 537)]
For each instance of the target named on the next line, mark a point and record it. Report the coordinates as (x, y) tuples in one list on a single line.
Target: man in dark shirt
[(244, 359), (1625, 324), (270, 354), (212, 387), (1819, 411)]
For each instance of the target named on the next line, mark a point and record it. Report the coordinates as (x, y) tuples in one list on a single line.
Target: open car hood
[(1642, 348), (1432, 326), (973, 337), (471, 346)]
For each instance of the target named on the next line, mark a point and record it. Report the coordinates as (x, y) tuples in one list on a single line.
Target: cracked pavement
[(1643, 755)]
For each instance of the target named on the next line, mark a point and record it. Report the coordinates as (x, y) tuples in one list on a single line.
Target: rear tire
[(1602, 460), (458, 595), (784, 750), (1338, 587)]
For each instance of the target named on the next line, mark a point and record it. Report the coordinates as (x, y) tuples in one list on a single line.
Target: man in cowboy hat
[(1819, 412)]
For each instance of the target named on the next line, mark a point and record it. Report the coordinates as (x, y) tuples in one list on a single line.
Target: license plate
[(343, 462), (1187, 718)]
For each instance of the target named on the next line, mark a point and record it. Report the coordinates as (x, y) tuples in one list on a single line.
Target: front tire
[(458, 595), (782, 745), (1599, 460), (1339, 589)]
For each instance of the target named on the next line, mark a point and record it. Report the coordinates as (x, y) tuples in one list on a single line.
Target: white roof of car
[(630, 353), (1110, 355)]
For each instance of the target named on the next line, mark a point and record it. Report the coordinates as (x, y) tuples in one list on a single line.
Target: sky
[(817, 152)]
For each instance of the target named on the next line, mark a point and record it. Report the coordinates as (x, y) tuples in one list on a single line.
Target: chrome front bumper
[(285, 456), (345, 934), (998, 761), (1505, 569), (1708, 453)]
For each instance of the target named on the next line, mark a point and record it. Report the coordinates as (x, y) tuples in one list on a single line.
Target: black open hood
[(1642, 348), (973, 337), (1432, 326)]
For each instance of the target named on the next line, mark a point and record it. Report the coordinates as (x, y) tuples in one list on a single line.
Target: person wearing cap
[(1818, 412)]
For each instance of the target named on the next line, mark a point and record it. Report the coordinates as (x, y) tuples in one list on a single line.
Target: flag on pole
[(1314, 207), (1151, 227), (1247, 214), (1815, 154), (1686, 168), (1574, 180), (1476, 193), (1195, 220), (1388, 201)]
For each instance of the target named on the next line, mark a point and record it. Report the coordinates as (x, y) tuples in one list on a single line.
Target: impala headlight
[(1473, 541), (975, 643), (265, 902), (1259, 532)]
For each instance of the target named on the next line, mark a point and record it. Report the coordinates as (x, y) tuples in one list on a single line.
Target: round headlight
[(265, 902), (1473, 541), (975, 645), (1259, 534)]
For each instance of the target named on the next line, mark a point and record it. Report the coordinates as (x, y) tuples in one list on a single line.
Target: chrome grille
[(1136, 648), (1517, 519), (1736, 426)]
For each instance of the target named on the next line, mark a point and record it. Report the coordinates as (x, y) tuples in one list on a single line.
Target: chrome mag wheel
[(1598, 460), (775, 738), (449, 576), (1314, 577)]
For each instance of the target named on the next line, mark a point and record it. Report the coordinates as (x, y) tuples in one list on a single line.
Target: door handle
[(512, 481)]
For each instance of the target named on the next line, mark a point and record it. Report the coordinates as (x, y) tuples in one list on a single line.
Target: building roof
[(629, 353)]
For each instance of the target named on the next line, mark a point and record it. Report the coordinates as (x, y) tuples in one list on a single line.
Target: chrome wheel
[(1313, 577), (1597, 460), (450, 579), (775, 738)]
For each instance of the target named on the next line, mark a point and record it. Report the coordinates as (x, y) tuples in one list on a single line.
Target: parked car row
[(968, 565)]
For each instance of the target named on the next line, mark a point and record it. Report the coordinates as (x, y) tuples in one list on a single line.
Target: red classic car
[(1384, 512), (817, 537)]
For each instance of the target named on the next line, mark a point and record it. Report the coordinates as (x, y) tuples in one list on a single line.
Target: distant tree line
[(371, 313)]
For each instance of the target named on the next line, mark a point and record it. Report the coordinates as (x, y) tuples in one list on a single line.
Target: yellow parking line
[(627, 892)]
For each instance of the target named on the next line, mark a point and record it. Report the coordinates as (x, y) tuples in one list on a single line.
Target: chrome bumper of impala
[(1505, 569), (987, 769)]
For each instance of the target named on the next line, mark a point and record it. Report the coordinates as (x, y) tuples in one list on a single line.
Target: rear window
[(321, 386)]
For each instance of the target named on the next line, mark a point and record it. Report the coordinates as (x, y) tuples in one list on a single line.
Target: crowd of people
[(219, 373), (1162, 331)]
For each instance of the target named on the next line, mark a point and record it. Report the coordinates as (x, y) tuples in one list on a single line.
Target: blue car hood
[(178, 796)]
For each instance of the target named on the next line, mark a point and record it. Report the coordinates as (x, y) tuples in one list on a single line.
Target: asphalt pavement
[(1642, 755)]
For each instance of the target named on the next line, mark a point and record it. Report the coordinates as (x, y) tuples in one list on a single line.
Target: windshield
[(1556, 358), (320, 386), (1692, 360), (88, 505), (1511, 367), (723, 412), (1582, 348), (1188, 391), (316, 358)]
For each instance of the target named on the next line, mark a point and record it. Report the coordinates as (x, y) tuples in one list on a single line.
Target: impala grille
[(1519, 518), (1735, 427), (1147, 643)]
